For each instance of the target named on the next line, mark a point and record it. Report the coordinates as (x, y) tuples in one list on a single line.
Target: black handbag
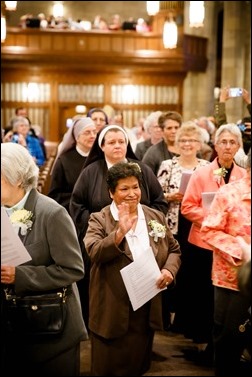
[(36, 315)]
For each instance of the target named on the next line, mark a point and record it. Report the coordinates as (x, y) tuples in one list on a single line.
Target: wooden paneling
[(47, 45), (76, 58)]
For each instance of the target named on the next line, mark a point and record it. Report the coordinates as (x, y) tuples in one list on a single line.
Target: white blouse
[(138, 239)]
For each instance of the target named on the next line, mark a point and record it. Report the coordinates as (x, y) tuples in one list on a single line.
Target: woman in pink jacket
[(210, 178), (228, 219)]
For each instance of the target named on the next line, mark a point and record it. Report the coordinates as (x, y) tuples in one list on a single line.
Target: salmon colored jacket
[(203, 180)]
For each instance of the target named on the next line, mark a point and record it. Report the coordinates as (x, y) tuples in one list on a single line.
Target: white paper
[(13, 252), (207, 198), (140, 278), (186, 175)]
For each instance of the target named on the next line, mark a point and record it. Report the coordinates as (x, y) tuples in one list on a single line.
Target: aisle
[(168, 358)]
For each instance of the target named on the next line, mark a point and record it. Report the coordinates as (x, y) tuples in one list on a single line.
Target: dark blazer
[(109, 302), (142, 147), (156, 154), (56, 262), (90, 193)]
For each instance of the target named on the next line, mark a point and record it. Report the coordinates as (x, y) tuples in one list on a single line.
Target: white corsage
[(21, 218), (219, 173), (157, 230)]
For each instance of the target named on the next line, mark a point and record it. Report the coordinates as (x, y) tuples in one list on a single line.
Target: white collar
[(84, 154), (109, 165)]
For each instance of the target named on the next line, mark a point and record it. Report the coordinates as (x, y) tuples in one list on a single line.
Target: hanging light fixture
[(170, 33), (3, 29), (58, 10), (152, 7), (196, 13), (10, 5), (80, 109)]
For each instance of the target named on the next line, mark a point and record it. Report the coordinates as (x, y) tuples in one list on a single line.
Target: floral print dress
[(169, 176)]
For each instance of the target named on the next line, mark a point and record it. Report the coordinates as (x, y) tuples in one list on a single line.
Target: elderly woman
[(70, 159), (90, 192), (56, 262), (210, 178), (121, 338), (189, 141), (22, 135), (153, 130), (228, 219)]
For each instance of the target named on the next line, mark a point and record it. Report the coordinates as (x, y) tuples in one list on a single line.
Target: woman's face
[(188, 144), (99, 120), (23, 129), (114, 146), (226, 147), (86, 138), (170, 129), (127, 191)]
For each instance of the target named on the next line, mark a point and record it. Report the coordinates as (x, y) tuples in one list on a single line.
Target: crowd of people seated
[(98, 23)]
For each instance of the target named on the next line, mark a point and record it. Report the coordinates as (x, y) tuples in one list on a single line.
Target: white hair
[(17, 165), (151, 119), (232, 129), (19, 120)]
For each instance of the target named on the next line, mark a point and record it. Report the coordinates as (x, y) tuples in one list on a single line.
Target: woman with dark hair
[(122, 338), (99, 117), (90, 192)]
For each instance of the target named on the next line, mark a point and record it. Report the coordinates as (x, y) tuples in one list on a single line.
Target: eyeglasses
[(225, 143), (189, 141)]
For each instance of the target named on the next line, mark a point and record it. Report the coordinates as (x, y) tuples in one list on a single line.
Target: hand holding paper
[(140, 279)]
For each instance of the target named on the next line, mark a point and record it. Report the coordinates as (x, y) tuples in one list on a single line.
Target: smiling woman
[(90, 193), (121, 341)]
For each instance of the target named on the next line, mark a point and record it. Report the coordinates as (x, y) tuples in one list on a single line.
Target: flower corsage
[(21, 218), (219, 173), (157, 230)]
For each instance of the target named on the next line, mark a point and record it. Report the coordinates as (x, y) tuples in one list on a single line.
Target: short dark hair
[(173, 115), (97, 110), (122, 170)]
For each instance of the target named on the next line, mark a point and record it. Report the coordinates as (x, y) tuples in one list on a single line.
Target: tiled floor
[(168, 357)]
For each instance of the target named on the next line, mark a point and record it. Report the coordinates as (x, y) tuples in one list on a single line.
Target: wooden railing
[(45, 171), (93, 49)]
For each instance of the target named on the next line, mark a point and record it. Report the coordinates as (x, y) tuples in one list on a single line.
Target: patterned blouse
[(229, 216), (169, 176)]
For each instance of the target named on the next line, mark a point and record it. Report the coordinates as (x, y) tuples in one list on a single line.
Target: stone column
[(236, 54), (198, 95)]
